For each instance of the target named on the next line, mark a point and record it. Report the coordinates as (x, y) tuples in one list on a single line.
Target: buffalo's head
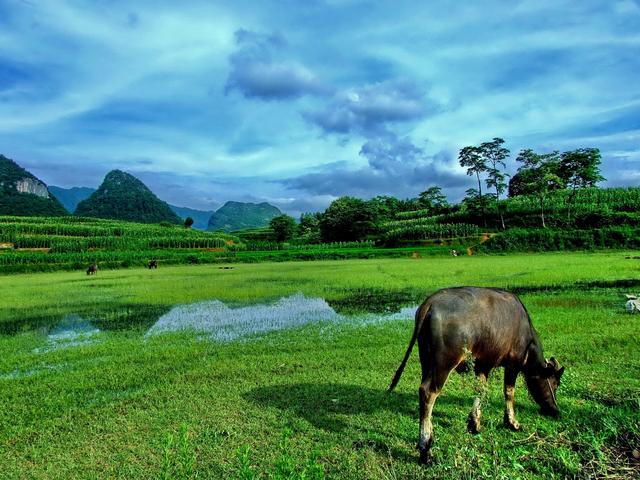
[(542, 385)]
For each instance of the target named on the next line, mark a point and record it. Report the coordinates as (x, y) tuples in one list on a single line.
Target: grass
[(311, 402)]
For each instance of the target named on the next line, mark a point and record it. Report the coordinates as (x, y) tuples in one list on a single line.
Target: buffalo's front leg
[(427, 400), (473, 421), (510, 421)]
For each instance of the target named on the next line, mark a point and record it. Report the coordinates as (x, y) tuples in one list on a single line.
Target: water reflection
[(224, 323), (217, 320), (72, 331)]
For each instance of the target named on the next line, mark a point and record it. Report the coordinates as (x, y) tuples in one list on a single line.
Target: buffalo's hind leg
[(473, 421), (509, 420), (428, 396), (433, 379)]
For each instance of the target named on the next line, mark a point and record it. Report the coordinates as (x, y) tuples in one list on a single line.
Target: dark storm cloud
[(395, 167), (369, 109), (256, 73)]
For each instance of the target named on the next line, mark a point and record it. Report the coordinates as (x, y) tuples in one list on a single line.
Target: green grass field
[(309, 402)]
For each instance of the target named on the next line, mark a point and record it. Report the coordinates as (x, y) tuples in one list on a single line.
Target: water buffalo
[(92, 270), (490, 328), (153, 264)]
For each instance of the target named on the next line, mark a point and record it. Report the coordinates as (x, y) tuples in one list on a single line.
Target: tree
[(188, 222), (520, 183), (472, 158), (283, 227), (494, 155), (309, 227), (544, 177), (433, 200), (580, 168), (347, 219)]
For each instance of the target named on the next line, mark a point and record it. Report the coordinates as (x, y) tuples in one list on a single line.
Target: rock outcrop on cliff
[(23, 194)]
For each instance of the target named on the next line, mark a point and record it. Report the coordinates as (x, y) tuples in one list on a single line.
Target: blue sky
[(300, 102)]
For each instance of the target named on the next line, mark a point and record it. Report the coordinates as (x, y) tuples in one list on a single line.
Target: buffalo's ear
[(559, 373), (548, 370)]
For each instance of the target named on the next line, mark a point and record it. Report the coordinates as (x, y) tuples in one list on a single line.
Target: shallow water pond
[(212, 319)]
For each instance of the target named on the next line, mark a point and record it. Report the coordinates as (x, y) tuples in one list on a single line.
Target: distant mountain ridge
[(200, 217), (23, 194), (121, 196), (71, 197), (239, 215)]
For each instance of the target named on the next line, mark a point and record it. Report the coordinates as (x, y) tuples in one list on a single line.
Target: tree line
[(539, 175)]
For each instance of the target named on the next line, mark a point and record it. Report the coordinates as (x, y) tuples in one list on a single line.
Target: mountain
[(123, 197), (200, 217), (23, 194), (238, 215), (71, 197)]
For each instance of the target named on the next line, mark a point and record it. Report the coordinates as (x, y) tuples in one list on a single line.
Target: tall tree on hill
[(494, 155), (545, 178), (433, 200), (580, 168), (471, 157)]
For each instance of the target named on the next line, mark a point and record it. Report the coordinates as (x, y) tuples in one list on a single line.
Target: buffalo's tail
[(420, 317)]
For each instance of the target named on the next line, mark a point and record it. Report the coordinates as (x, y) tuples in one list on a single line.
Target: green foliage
[(309, 228), (283, 227), (347, 219), (234, 216), (540, 240), (123, 197), (188, 222), (433, 200)]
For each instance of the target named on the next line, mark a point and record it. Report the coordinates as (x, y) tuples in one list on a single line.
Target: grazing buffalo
[(92, 270), (490, 328), (153, 264)]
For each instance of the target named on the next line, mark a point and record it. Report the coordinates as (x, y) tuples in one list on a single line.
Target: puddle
[(72, 331), (375, 300), (105, 318), (215, 319), (224, 323)]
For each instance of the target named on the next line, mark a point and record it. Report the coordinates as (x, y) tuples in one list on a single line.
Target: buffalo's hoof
[(426, 458), (473, 424), (513, 426)]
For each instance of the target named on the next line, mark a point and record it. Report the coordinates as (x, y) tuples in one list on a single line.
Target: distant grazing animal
[(92, 270), (153, 264), (492, 327)]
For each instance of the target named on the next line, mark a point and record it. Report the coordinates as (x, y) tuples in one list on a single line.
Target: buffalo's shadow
[(327, 405)]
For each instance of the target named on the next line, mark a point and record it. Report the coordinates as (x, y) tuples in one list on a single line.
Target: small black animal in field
[(492, 327), (153, 264), (92, 270)]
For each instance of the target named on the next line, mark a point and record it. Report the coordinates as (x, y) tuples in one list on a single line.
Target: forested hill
[(23, 194), (238, 215), (123, 197)]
